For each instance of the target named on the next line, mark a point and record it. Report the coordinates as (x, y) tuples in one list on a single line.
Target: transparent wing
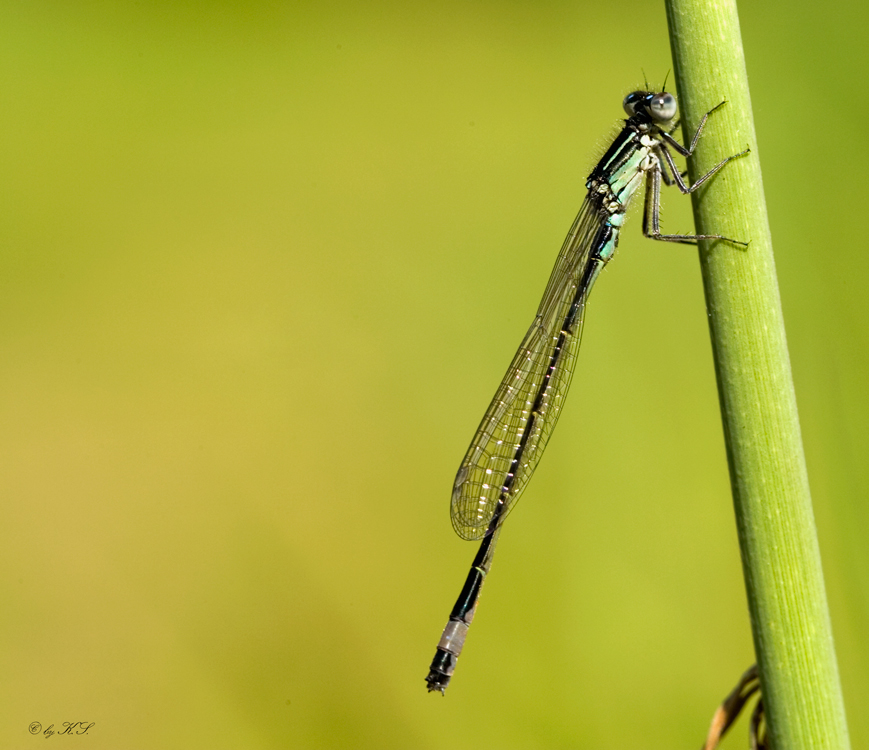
[(485, 473)]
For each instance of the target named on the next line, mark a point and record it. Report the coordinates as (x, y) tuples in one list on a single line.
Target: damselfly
[(519, 421)]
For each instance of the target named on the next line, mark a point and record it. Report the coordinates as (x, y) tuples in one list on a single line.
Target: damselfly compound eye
[(663, 107), (631, 101)]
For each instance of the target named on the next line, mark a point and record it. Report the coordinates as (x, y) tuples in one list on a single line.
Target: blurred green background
[(263, 265)]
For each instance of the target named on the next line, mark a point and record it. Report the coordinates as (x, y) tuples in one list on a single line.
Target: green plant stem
[(777, 536)]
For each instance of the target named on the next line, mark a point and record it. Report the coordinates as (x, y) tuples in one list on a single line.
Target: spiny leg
[(680, 183), (651, 214), (686, 152), (690, 150)]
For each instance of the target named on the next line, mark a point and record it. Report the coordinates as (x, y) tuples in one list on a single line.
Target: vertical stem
[(777, 537)]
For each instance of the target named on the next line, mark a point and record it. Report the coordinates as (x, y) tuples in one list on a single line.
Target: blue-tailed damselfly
[(518, 423)]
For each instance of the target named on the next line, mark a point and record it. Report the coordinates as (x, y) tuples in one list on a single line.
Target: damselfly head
[(660, 107)]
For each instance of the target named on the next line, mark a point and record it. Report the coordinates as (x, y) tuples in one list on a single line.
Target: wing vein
[(517, 425)]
